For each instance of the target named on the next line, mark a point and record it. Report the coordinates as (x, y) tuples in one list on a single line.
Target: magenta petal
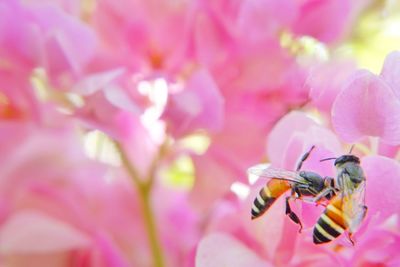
[(367, 107), (391, 71), (218, 250), (326, 13)]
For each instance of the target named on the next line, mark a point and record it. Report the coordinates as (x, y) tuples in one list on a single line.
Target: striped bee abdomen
[(331, 223), (267, 196)]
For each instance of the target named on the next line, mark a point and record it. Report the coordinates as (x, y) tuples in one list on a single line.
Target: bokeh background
[(127, 127)]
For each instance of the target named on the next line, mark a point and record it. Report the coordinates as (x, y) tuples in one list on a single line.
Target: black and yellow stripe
[(263, 201), (331, 224)]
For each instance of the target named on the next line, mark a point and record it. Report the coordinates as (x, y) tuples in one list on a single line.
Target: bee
[(301, 183), (347, 209)]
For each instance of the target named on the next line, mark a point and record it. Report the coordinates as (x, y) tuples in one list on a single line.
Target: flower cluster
[(127, 127)]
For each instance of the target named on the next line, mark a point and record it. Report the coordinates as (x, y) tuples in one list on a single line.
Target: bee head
[(346, 158)]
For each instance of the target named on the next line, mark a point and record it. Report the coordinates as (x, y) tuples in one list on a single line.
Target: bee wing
[(266, 172), (354, 206)]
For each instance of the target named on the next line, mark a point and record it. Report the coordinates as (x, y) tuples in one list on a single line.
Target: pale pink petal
[(367, 107), (326, 145), (179, 228), (60, 43), (32, 231), (285, 250), (211, 40), (218, 250), (391, 72), (377, 247), (73, 41), (99, 113), (282, 131), (96, 81), (198, 106), (263, 19), (326, 80), (383, 185), (121, 99), (268, 229), (227, 159), (211, 168)]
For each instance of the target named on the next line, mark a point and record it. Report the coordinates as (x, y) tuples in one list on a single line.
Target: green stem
[(144, 189), (151, 229)]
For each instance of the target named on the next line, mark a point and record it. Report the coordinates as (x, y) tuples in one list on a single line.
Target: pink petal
[(69, 43), (219, 249), (329, 28), (198, 106), (326, 145), (268, 230), (383, 185), (211, 168), (282, 131), (377, 247), (326, 80), (34, 232), (367, 107), (391, 72), (99, 113), (261, 19), (97, 81), (388, 150)]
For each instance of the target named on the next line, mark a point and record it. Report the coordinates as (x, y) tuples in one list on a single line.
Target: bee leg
[(324, 194), (293, 215), (303, 158), (351, 239)]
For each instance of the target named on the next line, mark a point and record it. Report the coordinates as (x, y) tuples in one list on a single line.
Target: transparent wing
[(354, 206), (267, 172)]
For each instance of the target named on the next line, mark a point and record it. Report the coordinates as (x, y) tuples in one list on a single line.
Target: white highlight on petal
[(157, 93), (240, 189), (98, 146)]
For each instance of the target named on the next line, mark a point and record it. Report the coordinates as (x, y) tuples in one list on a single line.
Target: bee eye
[(357, 179)]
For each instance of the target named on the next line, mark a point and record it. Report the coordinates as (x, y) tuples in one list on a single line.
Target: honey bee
[(347, 209), (301, 183)]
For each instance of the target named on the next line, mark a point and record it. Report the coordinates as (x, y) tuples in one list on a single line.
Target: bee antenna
[(327, 159), (351, 149)]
